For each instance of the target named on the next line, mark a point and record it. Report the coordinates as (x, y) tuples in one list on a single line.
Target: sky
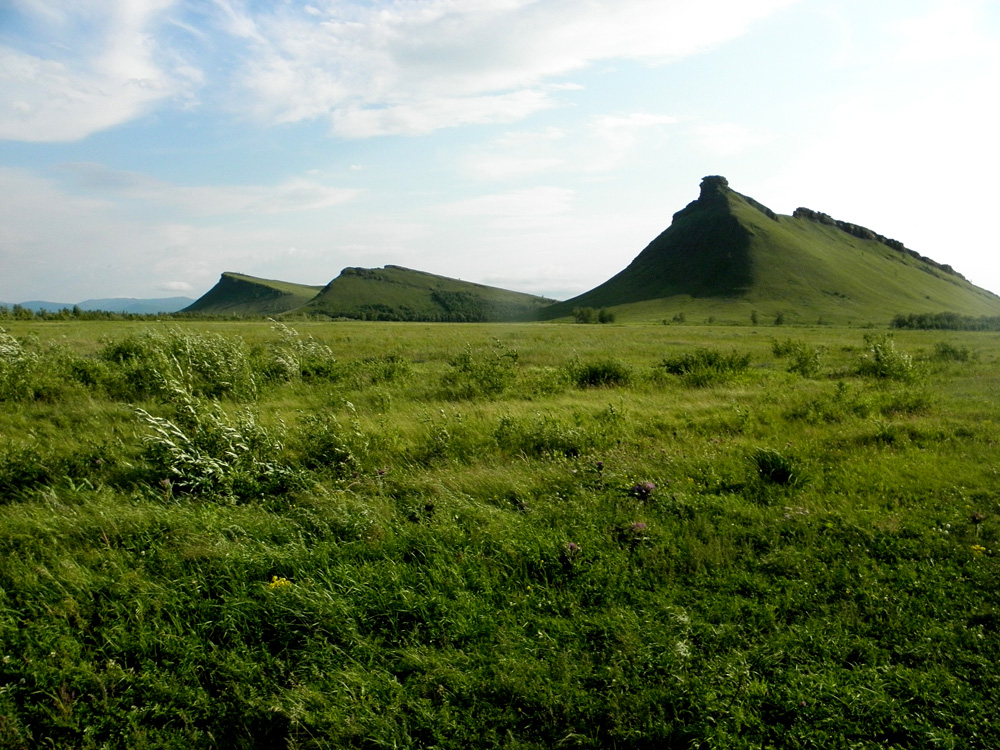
[(147, 146)]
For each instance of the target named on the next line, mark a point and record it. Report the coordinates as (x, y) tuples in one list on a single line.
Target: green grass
[(518, 536)]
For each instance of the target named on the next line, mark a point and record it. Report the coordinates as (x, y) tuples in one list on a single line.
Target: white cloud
[(419, 66), (619, 135), (100, 68), (724, 139), (420, 118), (369, 69), (214, 200), (950, 31), (181, 287), (531, 202), (516, 154), (51, 238)]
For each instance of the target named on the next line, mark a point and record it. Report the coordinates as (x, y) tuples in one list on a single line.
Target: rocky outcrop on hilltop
[(867, 234)]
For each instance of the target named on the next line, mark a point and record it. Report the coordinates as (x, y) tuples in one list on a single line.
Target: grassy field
[(521, 536)]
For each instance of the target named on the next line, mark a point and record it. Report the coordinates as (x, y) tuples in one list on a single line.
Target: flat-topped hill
[(238, 294), (397, 293)]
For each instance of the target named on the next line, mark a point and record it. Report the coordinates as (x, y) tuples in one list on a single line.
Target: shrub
[(326, 444), (29, 375), (16, 369), (306, 358), (201, 451), (210, 365), (484, 372), (605, 373), (22, 468), (945, 352), (775, 468), (703, 367), (884, 361), (541, 436), (391, 368), (805, 359)]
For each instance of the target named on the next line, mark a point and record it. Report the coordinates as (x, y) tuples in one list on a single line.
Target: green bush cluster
[(603, 373), (803, 359), (590, 315), (882, 360), (703, 366), (486, 372)]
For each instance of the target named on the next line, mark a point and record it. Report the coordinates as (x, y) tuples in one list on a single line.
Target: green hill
[(237, 294), (396, 293), (727, 256)]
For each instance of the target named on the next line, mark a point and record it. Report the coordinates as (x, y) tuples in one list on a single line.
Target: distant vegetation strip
[(946, 321)]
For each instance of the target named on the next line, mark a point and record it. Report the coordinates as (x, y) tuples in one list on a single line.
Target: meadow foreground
[(354, 535)]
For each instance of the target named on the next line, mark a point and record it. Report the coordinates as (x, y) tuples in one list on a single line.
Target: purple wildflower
[(642, 490)]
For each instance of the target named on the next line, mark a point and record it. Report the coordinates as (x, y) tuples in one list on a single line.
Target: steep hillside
[(236, 294), (396, 293), (727, 256)]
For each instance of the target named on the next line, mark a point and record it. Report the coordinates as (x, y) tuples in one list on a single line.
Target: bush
[(805, 359), (703, 367), (391, 368), (945, 352), (16, 369), (541, 436), (295, 357), (210, 365), (775, 468), (606, 373), (201, 451), (487, 372), (884, 361), (29, 375), (22, 468), (326, 444)]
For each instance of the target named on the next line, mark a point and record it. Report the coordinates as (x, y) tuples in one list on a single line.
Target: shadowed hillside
[(727, 255), (236, 294), (396, 293)]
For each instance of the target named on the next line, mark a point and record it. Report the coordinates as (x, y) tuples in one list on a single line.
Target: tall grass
[(399, 536)]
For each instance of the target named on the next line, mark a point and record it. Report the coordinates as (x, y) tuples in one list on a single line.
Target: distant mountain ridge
[(128, 305)]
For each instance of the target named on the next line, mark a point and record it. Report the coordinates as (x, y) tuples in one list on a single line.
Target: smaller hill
[(237, 294), (397, 293)]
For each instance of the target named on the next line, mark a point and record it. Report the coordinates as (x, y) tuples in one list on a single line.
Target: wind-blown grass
[(404, 555)]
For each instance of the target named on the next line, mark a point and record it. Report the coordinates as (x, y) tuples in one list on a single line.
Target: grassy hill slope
[(237, 294), (726, 255), (396, 293)]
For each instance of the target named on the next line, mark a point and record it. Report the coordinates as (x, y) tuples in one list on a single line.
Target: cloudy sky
[(146, 146)]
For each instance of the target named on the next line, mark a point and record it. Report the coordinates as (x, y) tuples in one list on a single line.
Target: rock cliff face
[(714, 189), (867, 234)]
